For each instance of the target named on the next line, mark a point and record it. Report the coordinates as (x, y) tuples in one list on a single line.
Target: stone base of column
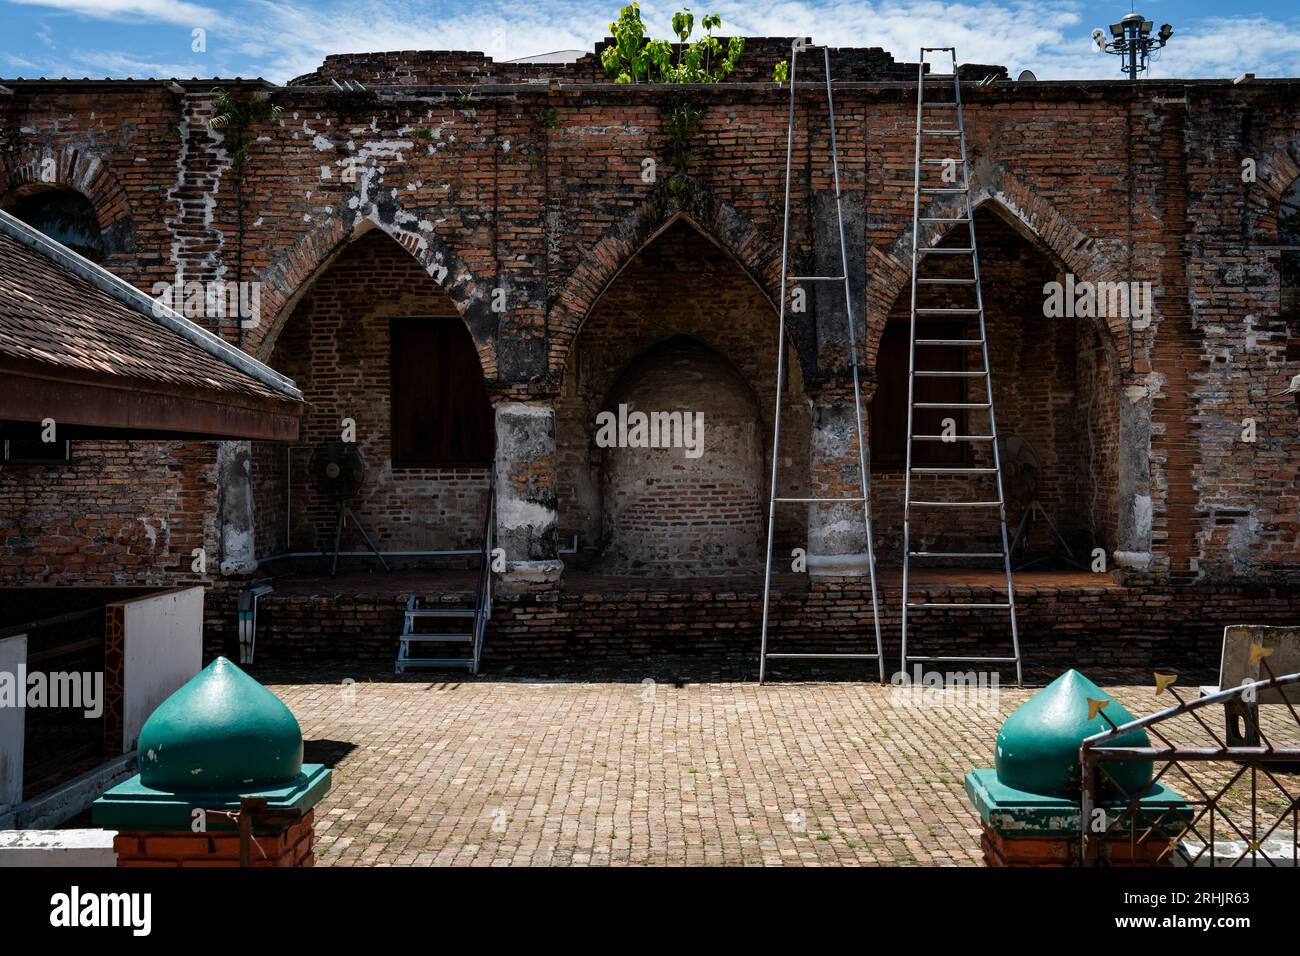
[(839, 565), (289, 846), (531, 576)]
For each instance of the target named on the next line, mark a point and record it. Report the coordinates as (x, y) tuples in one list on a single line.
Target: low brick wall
[(1091, 628)]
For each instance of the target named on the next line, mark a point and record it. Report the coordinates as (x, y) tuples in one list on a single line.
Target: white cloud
[(161, 11), (280, 39)]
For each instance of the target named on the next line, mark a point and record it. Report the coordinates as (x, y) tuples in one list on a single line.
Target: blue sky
[(279, 39)]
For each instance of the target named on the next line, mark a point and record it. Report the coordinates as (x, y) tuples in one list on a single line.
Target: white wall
[(164, 649), (13, 655)]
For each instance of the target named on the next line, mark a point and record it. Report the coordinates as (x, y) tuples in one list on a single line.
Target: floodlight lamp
[(1117, 30), (1146, 27)]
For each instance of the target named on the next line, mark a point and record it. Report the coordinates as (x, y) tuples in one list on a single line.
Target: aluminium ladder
[(788, 282), (926, 130)]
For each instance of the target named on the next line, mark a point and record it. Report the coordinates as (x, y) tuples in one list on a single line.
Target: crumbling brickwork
[(532, 181)]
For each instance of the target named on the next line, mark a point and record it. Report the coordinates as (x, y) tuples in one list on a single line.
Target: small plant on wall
[(634, 57), (238, 116)]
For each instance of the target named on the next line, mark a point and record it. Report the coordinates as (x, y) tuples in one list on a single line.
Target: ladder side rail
[(780, 370), (863, 474), (911, 350), (988, 376)]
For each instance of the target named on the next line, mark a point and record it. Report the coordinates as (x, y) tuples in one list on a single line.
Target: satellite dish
[(1026, 76)]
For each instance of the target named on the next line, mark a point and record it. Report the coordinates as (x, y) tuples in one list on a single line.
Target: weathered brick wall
[(337, 347), (485, 191), (118, 513)]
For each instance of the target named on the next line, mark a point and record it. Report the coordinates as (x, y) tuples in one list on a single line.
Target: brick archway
[(84, 172), (1029, 214), (723, 225), (294, 271)]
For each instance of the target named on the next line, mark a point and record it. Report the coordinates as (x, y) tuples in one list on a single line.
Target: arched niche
[(682, 464)]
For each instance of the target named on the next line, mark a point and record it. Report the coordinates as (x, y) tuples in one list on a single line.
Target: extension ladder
[(788, 282), (926, 130)]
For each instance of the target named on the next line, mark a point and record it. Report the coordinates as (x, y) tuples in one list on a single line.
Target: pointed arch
[(31, 168), (293, 272), (1036, 220), (722, 224)]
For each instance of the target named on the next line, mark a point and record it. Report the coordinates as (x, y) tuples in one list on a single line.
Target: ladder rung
[(944, 103), (957, 504), (810, 500), (937, 604), (954, 471), (952, 404), (940, 132), (945, 250), (957, 281), (942, 219), (825, 657), (943, 189), (973, 310), (925, 373), (949, 341), (955, 554), (941, 76), (816, 278), (952, 438), (969, 660), (446, 637), (440, 612)]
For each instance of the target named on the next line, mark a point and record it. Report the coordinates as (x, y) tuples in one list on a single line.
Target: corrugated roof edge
[(130, 296)]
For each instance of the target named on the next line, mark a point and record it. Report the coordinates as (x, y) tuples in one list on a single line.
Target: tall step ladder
[(945, 125), (788, 282)]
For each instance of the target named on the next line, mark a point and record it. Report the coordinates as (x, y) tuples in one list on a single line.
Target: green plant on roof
[(634, 57)]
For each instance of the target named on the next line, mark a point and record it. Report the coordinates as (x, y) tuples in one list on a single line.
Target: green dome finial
[(222, 730), (1038, 746)]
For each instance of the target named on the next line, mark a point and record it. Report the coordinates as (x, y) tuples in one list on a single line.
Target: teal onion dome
[(1038, 745), (220, 731)]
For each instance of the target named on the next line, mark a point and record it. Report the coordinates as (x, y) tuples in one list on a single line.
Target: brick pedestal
[(280, 846), (1064, 850)]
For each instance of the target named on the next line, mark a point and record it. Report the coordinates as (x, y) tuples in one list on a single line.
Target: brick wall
[(1118, 181), (118, 513)]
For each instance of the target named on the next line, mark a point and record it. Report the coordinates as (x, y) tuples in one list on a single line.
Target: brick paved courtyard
[(517, 772)]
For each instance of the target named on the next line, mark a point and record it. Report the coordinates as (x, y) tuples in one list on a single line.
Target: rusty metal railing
[(1160, 828)]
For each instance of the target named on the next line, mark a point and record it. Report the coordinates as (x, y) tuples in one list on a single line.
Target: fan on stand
[(339, 472), (1021, 468)]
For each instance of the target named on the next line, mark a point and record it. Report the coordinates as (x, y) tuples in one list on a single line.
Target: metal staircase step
[(462, 638), (440, 612)]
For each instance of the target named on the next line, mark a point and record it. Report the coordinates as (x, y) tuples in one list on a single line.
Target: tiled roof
[(60, 310)]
